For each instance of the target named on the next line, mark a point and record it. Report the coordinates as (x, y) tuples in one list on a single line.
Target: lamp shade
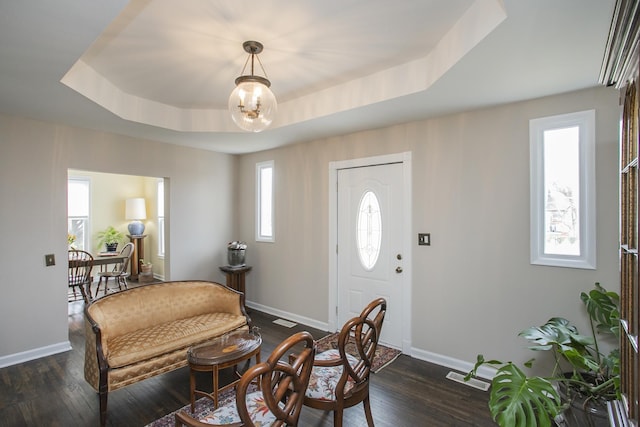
[(135, 209)]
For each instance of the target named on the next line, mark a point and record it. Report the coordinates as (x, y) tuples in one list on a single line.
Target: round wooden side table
[(223, 352)]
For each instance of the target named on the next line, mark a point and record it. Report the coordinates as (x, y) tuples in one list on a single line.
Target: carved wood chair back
[(340, 378)]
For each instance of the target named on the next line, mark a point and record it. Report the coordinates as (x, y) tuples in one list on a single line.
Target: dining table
[(103, 260)]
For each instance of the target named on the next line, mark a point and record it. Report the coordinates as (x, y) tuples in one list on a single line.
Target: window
[(160, 210), (264, 202), (78, 202), (562, 173), (369, 230)]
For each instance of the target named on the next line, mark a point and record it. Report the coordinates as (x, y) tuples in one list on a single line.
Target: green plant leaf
[(557, 331), (603, 308), (479, 362), (518, 401), (110, 235), (580, 360)]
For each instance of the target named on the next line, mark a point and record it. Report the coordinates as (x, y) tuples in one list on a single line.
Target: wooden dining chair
[(277, 399), (80, 266), (119, 273), (340, 377)]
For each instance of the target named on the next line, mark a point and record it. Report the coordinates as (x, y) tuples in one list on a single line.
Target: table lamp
[(135, 210)]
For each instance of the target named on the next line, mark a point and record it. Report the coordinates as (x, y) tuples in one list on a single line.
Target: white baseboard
[(289, 316), (462, 366), (36, 353)]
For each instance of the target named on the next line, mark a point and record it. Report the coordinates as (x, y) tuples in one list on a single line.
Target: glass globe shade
[(243, 105)]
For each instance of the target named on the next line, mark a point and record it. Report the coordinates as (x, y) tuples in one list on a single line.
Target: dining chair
[(80, 266), (119, 272), (277, 393), (340, 377)]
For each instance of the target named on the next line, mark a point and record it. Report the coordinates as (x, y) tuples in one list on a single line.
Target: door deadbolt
[(399, 256)]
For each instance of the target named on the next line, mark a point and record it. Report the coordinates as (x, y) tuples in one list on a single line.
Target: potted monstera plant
[(583, 377), (110, 237)]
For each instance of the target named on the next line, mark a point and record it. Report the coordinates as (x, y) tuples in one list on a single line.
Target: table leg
[(257, 362), (215, 387), (192, 389)]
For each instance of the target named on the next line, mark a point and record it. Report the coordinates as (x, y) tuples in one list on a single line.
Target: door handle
[(398, 269)]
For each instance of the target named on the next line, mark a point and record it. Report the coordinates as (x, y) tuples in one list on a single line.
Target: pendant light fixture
[(252, 104)]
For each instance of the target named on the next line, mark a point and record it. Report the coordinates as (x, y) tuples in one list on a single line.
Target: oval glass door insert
[(369, 230)]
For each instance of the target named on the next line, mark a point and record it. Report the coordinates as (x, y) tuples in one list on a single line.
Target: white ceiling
[(163, 70)]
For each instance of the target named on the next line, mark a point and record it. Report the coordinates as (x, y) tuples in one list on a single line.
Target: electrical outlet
[(424, 239), (49, 260)]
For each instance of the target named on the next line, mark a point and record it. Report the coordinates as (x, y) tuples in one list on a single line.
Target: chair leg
[(103, 408), (86, 292), (82, 291), (122, 282), (106, 285), (367, 411), (337, 417)]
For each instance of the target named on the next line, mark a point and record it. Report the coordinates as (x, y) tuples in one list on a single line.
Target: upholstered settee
[(146, 331)]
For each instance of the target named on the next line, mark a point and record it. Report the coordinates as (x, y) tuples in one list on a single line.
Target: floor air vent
[(284, 323), (473, 382)]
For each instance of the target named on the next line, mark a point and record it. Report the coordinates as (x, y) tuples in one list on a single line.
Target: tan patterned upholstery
[(152, 341), (146, 331)]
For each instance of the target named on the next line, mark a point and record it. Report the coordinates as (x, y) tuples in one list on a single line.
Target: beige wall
[(473, 289), (34, 160)]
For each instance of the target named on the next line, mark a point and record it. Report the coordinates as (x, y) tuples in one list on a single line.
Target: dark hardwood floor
[(51, 391)]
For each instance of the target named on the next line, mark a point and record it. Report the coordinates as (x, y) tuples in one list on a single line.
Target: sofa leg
[(103, 408)]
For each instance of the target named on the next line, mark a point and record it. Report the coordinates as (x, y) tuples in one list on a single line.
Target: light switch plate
[(49, 260), (424, 239)]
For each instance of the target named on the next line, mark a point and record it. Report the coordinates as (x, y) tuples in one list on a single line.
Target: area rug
[(203, 407), (384, 355)]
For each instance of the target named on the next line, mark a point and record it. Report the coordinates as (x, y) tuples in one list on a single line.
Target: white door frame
[(405, 159)]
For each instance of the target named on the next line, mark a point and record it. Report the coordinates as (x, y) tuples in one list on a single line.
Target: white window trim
[(259, 236), (161, 219), (585, 120), (87, 180)]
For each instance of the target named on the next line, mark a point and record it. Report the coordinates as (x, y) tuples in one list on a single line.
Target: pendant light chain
[(251, 56), (261, 67)]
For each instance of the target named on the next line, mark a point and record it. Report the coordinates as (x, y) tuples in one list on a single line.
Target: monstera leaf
[(560, 335), (520, 401), (557, 331), (602, 307)]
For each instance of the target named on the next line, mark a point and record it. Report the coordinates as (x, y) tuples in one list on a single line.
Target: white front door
[(370, 259)]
